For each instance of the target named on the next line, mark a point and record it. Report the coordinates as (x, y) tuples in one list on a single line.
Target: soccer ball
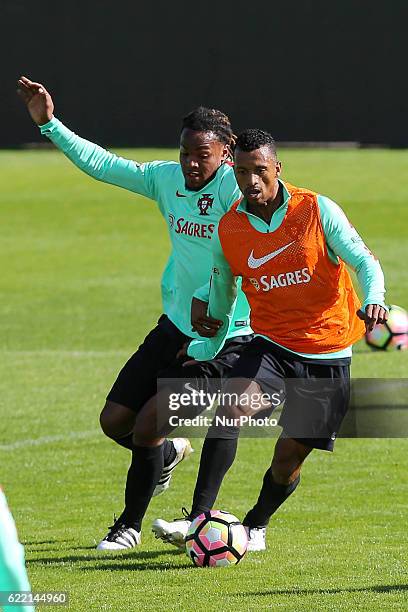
[(393, 335), (216, 539)]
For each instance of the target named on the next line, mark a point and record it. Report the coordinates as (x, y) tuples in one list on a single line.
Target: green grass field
[(80, 289)]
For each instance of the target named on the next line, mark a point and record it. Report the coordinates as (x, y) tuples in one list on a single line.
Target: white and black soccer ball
[(216, 539)]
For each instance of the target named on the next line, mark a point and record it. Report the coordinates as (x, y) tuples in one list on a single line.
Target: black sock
[(125, 441), (143, 475), (272, 496), (169, 452), (217, 456)]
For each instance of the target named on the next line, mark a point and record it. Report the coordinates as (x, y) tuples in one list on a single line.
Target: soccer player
[(192, 196), (13, 574), (289, 245)]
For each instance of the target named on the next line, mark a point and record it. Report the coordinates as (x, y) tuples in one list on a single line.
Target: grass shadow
[(40, 542), (92, 547), (138, 567), (141, 556), (378, 588)]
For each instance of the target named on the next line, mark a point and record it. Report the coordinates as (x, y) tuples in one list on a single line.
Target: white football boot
[(256, 538), (174, 532), (120, 537), (183, 450)]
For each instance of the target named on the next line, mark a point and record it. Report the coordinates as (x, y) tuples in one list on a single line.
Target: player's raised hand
[(203, 324), (374, 315), (37, 99)]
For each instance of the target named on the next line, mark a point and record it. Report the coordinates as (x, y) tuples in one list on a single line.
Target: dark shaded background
[(123, 73)]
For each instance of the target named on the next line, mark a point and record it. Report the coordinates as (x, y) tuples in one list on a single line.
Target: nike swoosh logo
[(180, 195), (254, 262)]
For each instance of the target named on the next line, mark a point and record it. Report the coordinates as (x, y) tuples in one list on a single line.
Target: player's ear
[(278, 166), (231, 147), (226, 153)]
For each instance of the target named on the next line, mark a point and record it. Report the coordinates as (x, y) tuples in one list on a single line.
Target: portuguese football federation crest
[(204, 203)]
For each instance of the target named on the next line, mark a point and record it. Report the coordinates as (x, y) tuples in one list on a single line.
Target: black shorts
[(155, 360), (316, 392), (136, 382)]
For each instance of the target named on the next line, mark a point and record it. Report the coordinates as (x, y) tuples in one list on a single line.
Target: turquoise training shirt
[(13, 575), (342, 241), (191, 217)]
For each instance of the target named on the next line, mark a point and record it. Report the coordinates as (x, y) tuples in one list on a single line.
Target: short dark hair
[(252, 139), (204, 119)]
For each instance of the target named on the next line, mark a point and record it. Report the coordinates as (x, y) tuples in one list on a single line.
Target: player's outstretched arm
[(87, 156)]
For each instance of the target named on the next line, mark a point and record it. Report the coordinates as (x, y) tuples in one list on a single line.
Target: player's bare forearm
[(37, 99)]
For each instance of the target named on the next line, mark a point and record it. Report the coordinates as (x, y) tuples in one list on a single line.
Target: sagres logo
[(196, 230), (255, 283), (204, 203), (171, 220), (284, 279)]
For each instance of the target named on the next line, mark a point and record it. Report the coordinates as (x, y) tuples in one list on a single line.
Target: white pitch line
[(75, 435)]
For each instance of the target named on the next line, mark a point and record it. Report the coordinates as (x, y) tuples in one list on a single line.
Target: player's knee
[(105, 423), (116, 420)]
